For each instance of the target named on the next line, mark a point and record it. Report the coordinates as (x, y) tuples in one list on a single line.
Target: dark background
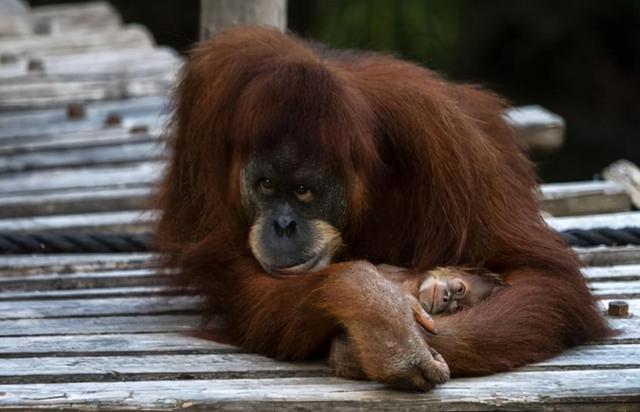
[(580, 59)]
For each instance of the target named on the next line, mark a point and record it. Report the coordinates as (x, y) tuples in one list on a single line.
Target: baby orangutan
[(446, 290), (440, 291)]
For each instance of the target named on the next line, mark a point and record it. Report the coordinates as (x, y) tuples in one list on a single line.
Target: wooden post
[(217, 15)]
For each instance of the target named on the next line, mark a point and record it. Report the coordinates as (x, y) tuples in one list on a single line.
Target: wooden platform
[(102, 331)]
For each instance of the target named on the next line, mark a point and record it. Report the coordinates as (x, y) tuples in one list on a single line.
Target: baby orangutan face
[(449, 290)]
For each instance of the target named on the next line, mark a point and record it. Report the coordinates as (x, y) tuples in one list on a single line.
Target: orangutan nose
[(284, 226)]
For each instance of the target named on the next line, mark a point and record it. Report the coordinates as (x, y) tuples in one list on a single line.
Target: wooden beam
[(217, 15)]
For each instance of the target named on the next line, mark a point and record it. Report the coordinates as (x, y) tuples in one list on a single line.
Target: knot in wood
[(112, 120), (75, 111)]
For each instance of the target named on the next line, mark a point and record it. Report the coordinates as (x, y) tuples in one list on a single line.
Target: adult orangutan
[(296, 169)]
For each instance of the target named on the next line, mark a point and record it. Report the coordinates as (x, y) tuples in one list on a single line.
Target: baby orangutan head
[(449, 290)]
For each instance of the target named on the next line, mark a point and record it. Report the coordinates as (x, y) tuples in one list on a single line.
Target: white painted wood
[(568, 390), (102, 324), (108, 344)]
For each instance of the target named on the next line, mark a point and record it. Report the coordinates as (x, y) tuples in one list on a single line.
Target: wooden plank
[(34, 309), (537, 130), (86, 200), (96, 65), (77, 140), (568, 390), (627, 175), (49, 123), (608, 255), (116, 222), (47, 92), (63, 179), (72, 263), (101, 324), (81, 280), (109, 344), (128, 291), (131, 36), (609, 273), (77, 17), (583, 198), (592, 357), (132, 368), (121, 153), (238, 365), (611, 220), (628, 289)]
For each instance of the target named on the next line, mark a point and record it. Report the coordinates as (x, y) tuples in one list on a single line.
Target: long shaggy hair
[(433, 179)]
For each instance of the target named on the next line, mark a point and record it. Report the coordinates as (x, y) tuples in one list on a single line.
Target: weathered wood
[(608, 256), (47, 124), (109, 344), (17, 281), (610, 273), (217, 15), (107, 155), (78, 17), (102, 324), (583, 198), (132, 368), (73, 263), (62, 179), (97, 65), (78, 201), (57, 91), (132, 36), (246, 366), (568, 390), (85, 307), (128, 291), (118, 222), (626, 174), (537, 130), (608, 289), (611, 220)]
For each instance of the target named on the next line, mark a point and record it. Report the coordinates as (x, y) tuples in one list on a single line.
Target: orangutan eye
[(303, 194), (460, 290), (266, 185)]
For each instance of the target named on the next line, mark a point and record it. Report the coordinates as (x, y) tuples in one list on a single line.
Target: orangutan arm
[(296, 316)]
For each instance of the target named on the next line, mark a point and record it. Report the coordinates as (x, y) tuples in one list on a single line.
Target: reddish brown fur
[(434, 179)]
